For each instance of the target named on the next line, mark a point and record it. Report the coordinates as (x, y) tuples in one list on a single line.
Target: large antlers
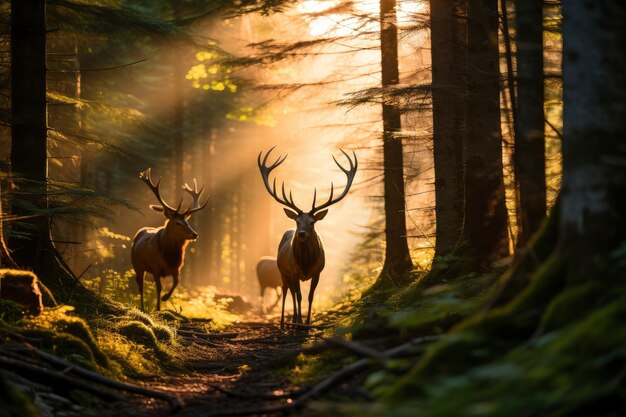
[(350, 173), (146, 176), (265, 173), (266, 170), (195, 194)]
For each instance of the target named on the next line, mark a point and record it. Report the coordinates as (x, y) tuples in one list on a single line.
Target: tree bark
[(592, 220), (397, 257), (449, 69), (485, 208), (29, 132), (530, 166)]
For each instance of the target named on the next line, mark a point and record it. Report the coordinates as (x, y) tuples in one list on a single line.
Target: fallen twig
[(207, 335), (236, 394)]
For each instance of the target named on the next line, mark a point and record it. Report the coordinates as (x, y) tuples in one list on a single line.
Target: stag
[(301, 251), (269, 277), (161, 250)]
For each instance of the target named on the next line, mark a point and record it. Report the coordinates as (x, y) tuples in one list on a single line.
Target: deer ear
[(156, 208), (290, 213), (319, 216)]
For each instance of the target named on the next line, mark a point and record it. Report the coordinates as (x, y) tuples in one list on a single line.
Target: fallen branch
[(56, 380), (323, 386), (174, 401)]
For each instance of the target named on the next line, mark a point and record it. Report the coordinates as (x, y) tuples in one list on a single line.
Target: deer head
[(177, 221), (305, 221)]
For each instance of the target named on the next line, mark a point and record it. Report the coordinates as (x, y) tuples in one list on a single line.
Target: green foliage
[(10, 311), (553, 350)]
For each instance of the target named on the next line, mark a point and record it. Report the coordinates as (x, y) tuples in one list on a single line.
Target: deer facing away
[(161, 250), (301, 252), (269, 277)]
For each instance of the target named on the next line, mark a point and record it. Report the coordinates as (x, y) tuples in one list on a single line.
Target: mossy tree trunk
[(530, 166), (29, 164), (397, 257), (592, 219), (485, 207), (449, 69)]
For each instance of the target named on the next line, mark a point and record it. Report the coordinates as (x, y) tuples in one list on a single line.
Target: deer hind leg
[(157, 282), (139, 274), (314, 282), (174, 285), (271, 307), (282, 314)]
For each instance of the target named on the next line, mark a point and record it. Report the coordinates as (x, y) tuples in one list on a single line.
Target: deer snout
[(302, 234), (194, 235)]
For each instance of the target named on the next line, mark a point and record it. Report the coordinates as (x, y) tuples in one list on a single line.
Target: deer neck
[(306, 253), (173, 249)]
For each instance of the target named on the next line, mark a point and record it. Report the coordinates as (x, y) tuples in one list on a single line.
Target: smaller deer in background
[(301, 252), (269, 277), (161, 250)]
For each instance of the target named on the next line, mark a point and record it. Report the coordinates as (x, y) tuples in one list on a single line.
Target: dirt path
[(231, 370)]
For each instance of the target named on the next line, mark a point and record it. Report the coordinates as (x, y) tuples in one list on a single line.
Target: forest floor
[(227, 372)]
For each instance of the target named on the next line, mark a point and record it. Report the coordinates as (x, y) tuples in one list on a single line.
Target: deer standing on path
[(301, 251), (161, 250), (269, 277)]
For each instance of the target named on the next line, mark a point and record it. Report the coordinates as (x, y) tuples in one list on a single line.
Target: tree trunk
[(485, 205), (530, 166), (449, 68), (594, 109), (397, 257), (29, 132)]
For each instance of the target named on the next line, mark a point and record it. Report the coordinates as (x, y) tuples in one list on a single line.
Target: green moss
[(486, 335), (79, 328), (171, 316), (572, 304), (138, 315), (64, 345), (10, 311), (138, 332), (164, 334)]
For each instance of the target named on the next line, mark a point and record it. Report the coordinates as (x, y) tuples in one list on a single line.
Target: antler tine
[(146, 177), (350, 173), (195, 194), (265, 173)]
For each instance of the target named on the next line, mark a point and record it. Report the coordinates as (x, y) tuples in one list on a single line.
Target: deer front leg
[(174, 284), (314, 282), (139, 274), (299, 299)]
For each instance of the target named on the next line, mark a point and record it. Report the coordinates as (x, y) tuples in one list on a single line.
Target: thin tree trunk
[(449, 67), (397, 257), (530, 166), (485, 205), (594, 109), (29, 131)]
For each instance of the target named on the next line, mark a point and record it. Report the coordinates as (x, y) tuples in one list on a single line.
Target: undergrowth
[(552, 349)]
